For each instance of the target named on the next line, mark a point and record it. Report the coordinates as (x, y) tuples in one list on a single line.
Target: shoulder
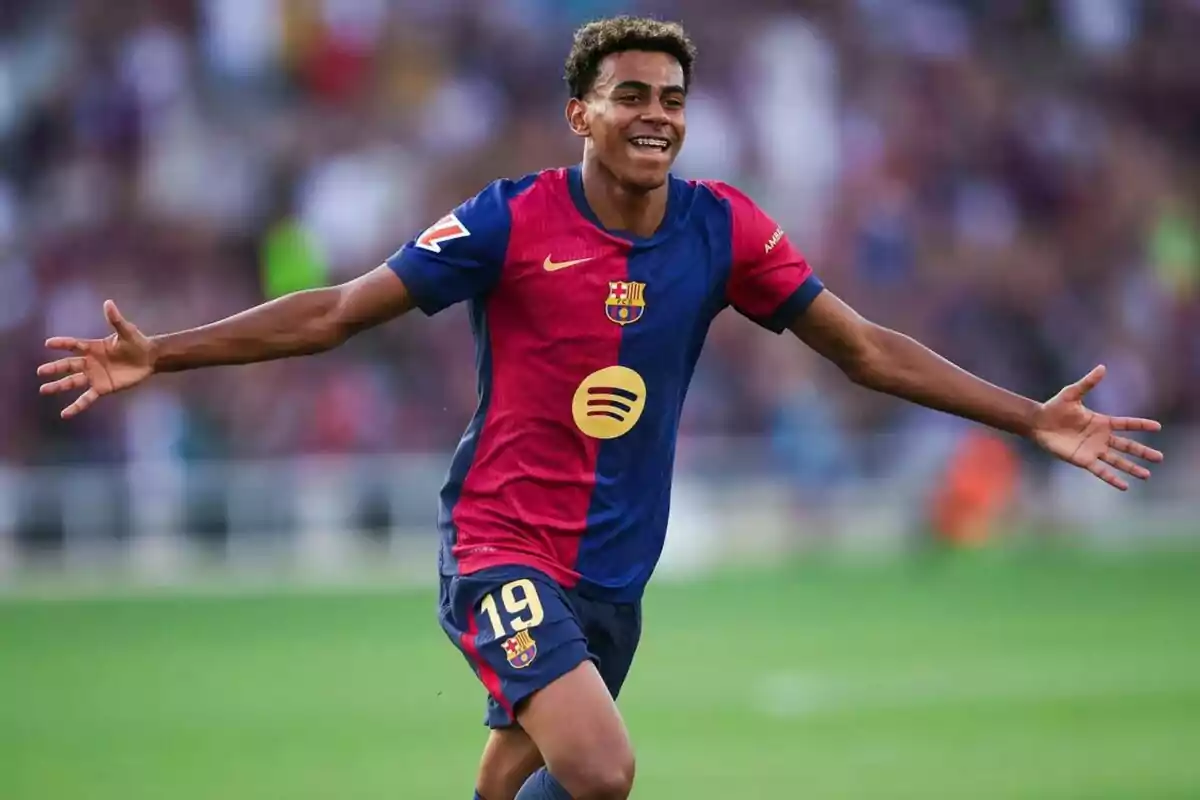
[(720, 189), (509, 188), (480, 218), (753, 228), (734, 199), (497, 195), (745, 215)]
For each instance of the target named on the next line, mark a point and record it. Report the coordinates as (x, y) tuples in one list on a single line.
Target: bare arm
[(297, 324), (890, 362), (887, 361)]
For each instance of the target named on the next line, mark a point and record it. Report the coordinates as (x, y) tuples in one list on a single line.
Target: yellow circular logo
[(609, 402)]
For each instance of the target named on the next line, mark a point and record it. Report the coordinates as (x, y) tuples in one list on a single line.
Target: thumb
[(1079, 390), (122, 326)]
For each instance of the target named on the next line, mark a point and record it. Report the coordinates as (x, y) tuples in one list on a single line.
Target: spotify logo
[(609, 402)]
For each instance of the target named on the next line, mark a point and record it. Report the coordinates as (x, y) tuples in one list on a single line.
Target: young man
[(591, 290)]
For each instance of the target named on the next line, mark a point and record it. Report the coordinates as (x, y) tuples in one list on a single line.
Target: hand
[(1080, 436), (119, 361)]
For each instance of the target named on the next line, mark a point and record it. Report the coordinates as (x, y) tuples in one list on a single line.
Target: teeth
[(646, 141)]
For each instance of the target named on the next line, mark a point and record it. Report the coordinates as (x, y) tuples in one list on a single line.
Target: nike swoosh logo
[(555, 266)]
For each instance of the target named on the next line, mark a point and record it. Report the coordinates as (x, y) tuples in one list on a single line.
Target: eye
[(673, 102)]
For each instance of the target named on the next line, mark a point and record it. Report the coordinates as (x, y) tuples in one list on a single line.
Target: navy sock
[(542, 786)]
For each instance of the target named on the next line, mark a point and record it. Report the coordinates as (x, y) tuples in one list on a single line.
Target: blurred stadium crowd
[(1015, 183)]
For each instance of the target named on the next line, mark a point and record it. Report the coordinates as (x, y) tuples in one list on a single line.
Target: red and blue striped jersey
[(586, 340)]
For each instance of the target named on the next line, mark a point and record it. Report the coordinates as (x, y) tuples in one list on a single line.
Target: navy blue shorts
[(520, 631)]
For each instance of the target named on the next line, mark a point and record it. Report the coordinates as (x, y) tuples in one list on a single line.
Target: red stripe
[(487, 675), (527, 496)]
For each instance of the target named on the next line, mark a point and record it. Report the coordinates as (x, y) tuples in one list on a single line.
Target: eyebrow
[(642, 86)]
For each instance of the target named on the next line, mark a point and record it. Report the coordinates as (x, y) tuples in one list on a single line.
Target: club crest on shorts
[(626, 301), (521, 650)]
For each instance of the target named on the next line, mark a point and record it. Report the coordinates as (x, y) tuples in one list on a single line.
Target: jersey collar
[(674, 190)]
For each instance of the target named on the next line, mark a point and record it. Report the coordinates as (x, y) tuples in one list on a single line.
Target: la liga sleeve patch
[(446, 229)]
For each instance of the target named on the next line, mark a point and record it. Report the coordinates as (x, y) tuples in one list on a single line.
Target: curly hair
[(597, 40)]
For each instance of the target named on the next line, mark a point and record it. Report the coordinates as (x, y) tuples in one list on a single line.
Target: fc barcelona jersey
[(586, 340)]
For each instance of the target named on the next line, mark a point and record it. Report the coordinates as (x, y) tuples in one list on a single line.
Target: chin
[(646, 185), (645, 180)]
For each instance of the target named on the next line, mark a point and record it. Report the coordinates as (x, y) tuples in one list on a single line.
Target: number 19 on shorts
[(521, 605)]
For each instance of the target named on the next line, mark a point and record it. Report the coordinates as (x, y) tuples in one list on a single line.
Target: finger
[(76, 381), (123, 328), (1079, 389), (62, 366), (81, 403), (1108, 476), (1135, 449), (66, 343), (1125, 465), (1134, 424)]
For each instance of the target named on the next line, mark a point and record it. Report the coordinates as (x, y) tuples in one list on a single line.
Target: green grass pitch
[(1011, 676)]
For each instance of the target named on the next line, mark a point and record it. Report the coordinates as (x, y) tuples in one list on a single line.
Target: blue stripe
[(627, 518), (464, 455)]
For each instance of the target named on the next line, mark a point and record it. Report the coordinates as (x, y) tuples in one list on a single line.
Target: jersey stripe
[(464, 454), (528, 492), (628, 518)]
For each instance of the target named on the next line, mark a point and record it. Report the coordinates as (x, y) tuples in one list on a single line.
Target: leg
[(509, 758), (578, 730), (522, 636), (613, 632)]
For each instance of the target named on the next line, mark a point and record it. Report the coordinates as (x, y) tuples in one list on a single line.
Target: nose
[(655, 113)]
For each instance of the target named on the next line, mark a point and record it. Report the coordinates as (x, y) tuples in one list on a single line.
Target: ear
[(577, 117)]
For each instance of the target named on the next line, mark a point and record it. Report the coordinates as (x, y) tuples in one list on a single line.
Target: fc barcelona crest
[(626, 301), (520, 650)]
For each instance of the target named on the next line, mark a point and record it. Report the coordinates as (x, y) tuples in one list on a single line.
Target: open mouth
[(652, 144)]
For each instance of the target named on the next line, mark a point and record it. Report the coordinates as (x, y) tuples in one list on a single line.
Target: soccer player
[(590, 289)]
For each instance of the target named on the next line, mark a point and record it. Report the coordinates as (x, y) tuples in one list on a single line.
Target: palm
[(1068, 429), (99, 366)]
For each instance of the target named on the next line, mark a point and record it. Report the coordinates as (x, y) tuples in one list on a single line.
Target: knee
[(598, 776)]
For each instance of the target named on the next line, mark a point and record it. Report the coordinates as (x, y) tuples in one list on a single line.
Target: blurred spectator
[(1013, 183)]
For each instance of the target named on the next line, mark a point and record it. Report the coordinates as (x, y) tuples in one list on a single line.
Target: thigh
[(518, 631), (613, 633), (576, 726)]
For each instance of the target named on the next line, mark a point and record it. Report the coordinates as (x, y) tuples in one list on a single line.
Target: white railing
[(340, 516)]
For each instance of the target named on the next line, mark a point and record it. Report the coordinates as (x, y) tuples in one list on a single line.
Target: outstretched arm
[(890, 362), (297, 324), (457, 258), (294, 325), (887, 361)]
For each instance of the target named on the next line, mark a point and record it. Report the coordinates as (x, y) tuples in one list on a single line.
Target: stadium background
[(219, 586)]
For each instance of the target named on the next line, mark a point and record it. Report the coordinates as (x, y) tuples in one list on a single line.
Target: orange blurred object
[(975, 489)]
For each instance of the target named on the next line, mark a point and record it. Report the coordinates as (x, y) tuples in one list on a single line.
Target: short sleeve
[(770, 281), (460, 256)]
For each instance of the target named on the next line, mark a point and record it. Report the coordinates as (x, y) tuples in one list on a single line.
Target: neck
[(620, 207)]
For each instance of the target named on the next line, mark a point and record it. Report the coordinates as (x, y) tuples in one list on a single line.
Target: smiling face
[(633, 117)]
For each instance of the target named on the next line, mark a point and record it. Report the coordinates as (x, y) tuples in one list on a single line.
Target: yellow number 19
[(516, 606)]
